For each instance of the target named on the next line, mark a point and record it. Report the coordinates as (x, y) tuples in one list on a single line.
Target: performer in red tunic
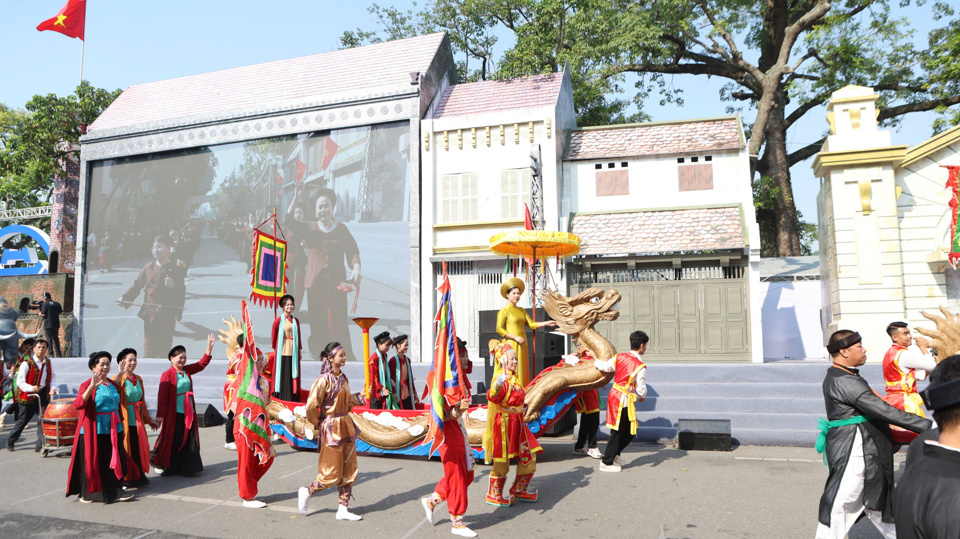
[(457, 458), (285, 337), (903, 366), (32, 390), (507, 436), (629, 385), (99, 461), (403, 375), (382, 390), (588, 406), (177, 451)]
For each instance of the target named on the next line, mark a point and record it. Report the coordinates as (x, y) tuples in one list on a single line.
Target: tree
[(37, 142), (782, 59)]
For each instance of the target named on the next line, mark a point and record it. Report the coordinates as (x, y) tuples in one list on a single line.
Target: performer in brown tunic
[(328, 409)]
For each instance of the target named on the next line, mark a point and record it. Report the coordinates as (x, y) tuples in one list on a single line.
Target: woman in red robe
[(507, 436), (177, 451), (99, 461), (136, 417)]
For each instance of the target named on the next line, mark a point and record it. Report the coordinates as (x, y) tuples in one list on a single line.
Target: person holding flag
[(251, 425), (449, 400)]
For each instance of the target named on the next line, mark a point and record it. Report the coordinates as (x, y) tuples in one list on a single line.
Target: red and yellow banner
[(69, 21)]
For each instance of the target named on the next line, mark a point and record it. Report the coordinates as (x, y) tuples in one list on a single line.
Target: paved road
[(751, 492)]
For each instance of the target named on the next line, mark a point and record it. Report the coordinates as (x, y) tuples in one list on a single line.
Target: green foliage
[(35, 142)]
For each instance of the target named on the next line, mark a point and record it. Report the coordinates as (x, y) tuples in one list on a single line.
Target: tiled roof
[(345, 70), (495, 95), (655, 139), (659, 231)]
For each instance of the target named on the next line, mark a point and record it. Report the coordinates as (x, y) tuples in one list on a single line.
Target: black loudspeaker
[(704, 434), (208, 416)]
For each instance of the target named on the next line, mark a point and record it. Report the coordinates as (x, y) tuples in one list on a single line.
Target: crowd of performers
[(858, 442), (111, 456)]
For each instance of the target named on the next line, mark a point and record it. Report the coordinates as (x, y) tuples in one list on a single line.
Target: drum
[(60, 420)]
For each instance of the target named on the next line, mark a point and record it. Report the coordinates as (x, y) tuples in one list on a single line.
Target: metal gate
[(690, 314)]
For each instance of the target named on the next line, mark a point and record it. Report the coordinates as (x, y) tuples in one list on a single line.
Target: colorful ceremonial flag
[(527, 220), (329, 150), (269, 272), (69, 21), (253, 424), (953, 184), (447, 382)]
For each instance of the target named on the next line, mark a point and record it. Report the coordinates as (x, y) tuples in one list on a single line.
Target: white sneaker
[(612, 468), (595, 453), (157, 470), (344, 514), (302, 496), (232, 446), (125, 497), (425, 502), (3, 419), (463, 531), (253, 504)]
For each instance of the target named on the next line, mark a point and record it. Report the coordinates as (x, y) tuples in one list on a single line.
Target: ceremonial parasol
[(537, 245)]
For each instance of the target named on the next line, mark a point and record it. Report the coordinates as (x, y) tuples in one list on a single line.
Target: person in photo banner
[(162, 283), (330, 248)]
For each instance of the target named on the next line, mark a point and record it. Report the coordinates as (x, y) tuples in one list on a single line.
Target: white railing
[(26, 213)]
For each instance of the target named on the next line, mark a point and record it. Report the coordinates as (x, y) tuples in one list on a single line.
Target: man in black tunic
[(858, 444), (928, 495)]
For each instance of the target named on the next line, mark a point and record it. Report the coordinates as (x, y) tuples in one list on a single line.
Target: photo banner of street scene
[(168, 240)]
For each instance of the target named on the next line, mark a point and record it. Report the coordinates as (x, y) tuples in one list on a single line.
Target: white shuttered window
[(514, 192), (458, 198)]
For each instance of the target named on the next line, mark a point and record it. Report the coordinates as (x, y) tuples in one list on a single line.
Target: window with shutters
[(514, 192), (458, 198), (695, 177), (612, 183)]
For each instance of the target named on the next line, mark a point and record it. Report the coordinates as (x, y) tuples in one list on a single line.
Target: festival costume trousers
[(848, 503), (457, 472), (619, 440), (248, 473), (25, 413), (589, 423)]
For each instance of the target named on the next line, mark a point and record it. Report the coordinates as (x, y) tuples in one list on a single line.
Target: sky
[(133, 42)]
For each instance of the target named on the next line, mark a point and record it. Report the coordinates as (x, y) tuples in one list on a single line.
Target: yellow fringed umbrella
[(535, 244)]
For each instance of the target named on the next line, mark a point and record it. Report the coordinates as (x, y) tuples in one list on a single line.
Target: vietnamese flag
[(329, 150), (69, 21), (301, 171)]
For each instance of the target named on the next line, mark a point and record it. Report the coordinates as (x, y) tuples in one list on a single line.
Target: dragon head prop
[(946, 338), (577, 315), (229, 336)]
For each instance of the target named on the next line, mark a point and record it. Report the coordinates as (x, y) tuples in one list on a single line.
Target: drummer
[(34, 387)]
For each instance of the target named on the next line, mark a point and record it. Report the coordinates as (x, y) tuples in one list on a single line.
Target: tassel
[(506, 267)]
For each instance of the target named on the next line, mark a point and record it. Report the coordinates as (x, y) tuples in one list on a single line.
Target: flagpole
[(83, 44)]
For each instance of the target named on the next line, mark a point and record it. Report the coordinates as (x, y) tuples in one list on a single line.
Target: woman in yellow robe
[(512, 324)]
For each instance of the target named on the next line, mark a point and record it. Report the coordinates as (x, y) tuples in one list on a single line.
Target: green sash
[(825, 426)]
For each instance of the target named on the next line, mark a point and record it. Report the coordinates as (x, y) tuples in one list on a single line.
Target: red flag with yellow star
[(69, 21)]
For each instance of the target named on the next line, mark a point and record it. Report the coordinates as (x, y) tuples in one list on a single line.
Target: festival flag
[(527, 220), (953, 184), (253, 424), (447, 381), (329, 150), (69, 21), (301, 171), (279, 179), (269, 272)]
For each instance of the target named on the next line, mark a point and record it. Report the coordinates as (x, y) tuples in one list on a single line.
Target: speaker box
[(208, 416), (704, 434)]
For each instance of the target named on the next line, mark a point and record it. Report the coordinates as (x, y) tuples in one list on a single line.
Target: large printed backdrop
[(208, 199)]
